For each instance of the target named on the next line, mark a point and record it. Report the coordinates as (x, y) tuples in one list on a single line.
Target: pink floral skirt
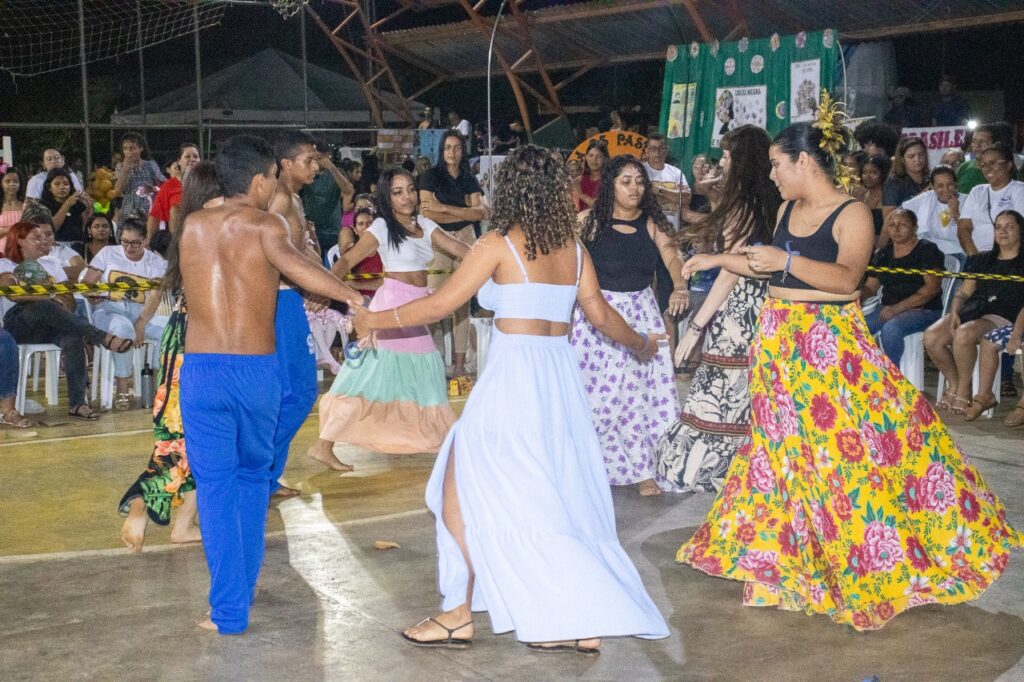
[(850, 498)]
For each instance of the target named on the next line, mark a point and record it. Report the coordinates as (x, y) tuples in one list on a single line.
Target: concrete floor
[(74, 605)]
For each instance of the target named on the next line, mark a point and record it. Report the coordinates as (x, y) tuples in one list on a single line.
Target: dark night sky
[(245, 30)]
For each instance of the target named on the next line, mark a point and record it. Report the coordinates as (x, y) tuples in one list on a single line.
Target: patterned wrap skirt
[(696, 451), (632, 402), (393, 398), (850, 499)]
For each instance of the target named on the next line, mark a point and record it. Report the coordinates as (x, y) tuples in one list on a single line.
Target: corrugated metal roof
[(635, 30)]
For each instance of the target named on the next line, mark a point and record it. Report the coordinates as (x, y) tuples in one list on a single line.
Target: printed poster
[(738, 106), (804, 90), (680, 113)]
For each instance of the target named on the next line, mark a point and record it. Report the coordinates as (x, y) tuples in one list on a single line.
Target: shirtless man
[(298, 164), (232, 259)]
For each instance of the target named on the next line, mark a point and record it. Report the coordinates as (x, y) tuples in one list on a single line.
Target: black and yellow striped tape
[(954, 275)]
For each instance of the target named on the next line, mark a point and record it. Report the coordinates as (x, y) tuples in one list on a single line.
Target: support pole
[(305, 70), (199, 78), (142, 61), (85, 90)]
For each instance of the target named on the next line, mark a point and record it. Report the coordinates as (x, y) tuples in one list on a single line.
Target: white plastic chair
[(333, 255), (483, 327), (912, 362), (28, 352)]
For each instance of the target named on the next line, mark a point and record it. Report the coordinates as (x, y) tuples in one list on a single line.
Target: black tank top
[(625, 262), (820, 246)]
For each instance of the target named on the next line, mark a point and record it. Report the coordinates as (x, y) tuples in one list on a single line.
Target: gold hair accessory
[(830, 119)]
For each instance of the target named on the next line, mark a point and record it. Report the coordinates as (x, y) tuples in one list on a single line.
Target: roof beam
[(934, 26), (527, 40), (573, 64), (698, 21)]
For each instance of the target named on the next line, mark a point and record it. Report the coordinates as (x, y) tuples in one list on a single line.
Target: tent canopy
[(263, 88)]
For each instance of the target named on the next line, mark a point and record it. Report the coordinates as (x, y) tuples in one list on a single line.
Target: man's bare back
[(232, 259)]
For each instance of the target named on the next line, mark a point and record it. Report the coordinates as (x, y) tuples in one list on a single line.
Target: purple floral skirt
[(632, 402)]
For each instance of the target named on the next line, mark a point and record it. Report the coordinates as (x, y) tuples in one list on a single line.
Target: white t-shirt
[(111, 259), (34, 188), (50, 265), (465, 128), (672, 179), (63, 254), (984, 204), (929, 211), (413, 254)]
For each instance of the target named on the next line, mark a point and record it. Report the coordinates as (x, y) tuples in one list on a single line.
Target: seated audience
[(938, 211)]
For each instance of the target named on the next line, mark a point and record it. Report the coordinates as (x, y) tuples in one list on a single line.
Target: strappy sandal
[(945, 402), (90, 415), (14, 418), (1015, 418), (123, 347), (450, 642), (977, 407), (957, 408), (573, 648)]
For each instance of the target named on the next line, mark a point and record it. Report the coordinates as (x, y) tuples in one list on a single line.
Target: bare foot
[(207, 624), (133, 530), (323, 452), (185, 535), (428, 630), (284, 492), (648, 488)]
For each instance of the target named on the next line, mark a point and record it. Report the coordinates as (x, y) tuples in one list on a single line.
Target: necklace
[(807, 225)]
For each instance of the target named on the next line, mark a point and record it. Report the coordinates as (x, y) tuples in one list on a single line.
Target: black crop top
[(820, 246), (625, 262)]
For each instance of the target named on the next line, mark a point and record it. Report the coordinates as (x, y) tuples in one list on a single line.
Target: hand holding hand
[(764, 258)]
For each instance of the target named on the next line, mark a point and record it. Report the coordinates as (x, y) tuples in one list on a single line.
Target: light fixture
[(972, 124)]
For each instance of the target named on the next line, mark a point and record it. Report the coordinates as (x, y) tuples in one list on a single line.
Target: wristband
[(695, 327), (645, 339), (789, 259)]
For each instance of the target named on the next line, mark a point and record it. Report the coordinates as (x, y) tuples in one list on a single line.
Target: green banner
[(711, 88)]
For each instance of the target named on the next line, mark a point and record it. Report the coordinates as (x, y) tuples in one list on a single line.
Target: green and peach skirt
[(393, 398)]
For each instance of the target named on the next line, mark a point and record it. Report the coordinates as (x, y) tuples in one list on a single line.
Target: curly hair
[(532, 192), (750, 198), (600, 217)]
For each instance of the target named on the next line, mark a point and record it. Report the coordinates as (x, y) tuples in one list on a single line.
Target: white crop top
[(414, 253)]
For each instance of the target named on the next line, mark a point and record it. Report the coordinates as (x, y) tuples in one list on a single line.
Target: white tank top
[(412, 255)]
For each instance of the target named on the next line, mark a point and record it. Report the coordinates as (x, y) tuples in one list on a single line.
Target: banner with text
[(937, 140)]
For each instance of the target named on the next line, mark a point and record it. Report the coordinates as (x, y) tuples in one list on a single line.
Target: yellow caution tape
[(943, 273), (380, 275), (76, 288)]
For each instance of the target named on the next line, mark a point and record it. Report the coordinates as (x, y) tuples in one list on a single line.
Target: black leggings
[(50, 322)]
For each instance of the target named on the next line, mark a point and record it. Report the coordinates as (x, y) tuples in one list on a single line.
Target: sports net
[(288, 8), (41, 36)]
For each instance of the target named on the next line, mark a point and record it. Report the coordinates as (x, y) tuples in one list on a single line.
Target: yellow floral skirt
[(850, 498)]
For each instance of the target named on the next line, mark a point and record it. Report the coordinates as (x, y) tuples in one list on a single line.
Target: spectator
[(584, 189), (99, 234), (1001, 192), (169, 195), (66, 256), (951, 109), (353, 170), (421, 169), (122, 312), (510, 138), (667, 182), (952, 157), (52, 158), (903, 112), (854, 162), (910, 303), (969, 175), (909, 177), (480, 142), (48, 318), (324, 198), (456, 122), (877, 139), (138, 177), (979, 307), (451, 196), (70, 210), (699, 168), (372, 264), (12, 189), (428, 119), (1005, 339), (872, 180), (9, 416), (938, 211)]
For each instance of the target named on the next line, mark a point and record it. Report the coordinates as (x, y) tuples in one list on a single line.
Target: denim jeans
[(50, 322), (904, 324), (8, 365)]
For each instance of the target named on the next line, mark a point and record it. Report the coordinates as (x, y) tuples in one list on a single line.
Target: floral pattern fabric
[(632, 402), (168, 475), (850, 498)]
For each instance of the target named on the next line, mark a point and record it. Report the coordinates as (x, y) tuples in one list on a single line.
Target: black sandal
[(90, 416), (573, 648), (123, 347), (451, 642)]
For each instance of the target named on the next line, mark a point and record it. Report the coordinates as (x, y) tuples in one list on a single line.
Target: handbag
[(973, 308)]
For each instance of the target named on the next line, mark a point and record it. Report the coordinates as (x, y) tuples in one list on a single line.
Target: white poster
[(804, 90), (738, 106), (680, 113), (937, 140)]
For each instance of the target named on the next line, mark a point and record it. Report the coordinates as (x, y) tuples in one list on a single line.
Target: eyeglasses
[(135, 242)]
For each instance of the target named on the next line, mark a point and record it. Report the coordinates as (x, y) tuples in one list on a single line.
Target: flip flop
[(123, 347), (89, 416), (15, 419), (449, 642), (573, 648), (1015, 418)]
